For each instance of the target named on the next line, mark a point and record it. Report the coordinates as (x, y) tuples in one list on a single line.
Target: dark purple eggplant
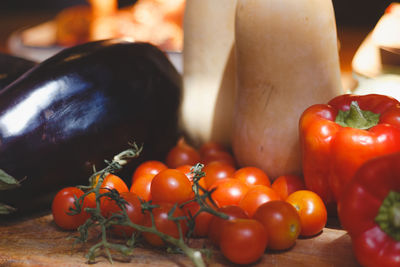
[(11, 67), (80, 107)]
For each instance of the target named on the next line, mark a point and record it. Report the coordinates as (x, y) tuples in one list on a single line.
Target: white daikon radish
[(208, 70), (287, 60)]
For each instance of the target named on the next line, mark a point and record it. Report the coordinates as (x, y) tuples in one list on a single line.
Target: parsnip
[(287, 60)]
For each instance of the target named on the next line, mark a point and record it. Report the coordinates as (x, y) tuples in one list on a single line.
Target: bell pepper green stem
[(388, 217), (355, 117)]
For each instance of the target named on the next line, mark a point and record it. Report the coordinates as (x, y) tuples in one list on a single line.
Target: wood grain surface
[(38, 242)]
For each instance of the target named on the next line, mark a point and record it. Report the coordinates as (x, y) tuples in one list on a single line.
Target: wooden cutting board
[(38, 242)]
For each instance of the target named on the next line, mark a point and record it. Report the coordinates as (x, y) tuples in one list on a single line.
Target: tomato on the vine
[(243, 241), (217, 223), (182, 154), (133, 209), (312, 211), (217, 171), (150, 166), (286, 184), (163, 224), (62, 202), (141, 186), (281, 222), (202, 220), (171, 186), (252, 176), (228, 191), (256, 196)]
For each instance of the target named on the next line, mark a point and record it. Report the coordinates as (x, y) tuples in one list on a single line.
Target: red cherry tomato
[(62, 202), (252, 176), (133, 210), (163, 224), (217, 223), (151, 166), (281, 222), (202, 220), (210, 147), (187, 170), (141, 186), (255, 197), (312, 211), (171, 186), (182, 154), (228, 192), (217, 171), (287, 184), (243, 241), (221, 156)]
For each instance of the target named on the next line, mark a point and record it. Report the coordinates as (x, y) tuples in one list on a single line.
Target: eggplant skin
[(12, 67), (81, 107)]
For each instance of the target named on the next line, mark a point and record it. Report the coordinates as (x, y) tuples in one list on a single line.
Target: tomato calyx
[(388, 217), (357, 118)]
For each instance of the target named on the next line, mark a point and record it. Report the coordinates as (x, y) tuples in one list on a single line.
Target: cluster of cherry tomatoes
[(261, 215)]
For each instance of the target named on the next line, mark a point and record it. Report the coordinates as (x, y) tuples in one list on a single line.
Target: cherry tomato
[(133, 210), (228, 191), (210, 147), (150, 166), (312, 211), (287, 184), (141, 186), (163, 224), (62, 202), (202, 220), (217, 171), (110, 182), (171, 186), (255, 197), (182, 154), (243, 241), (252, 176), (221, 156), (282, 223), (217, 223), (187, 170)]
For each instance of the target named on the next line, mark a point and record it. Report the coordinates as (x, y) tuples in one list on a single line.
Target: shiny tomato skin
[(243, 241), (64, 200), (255, 197), (171, 186), (133, 210), (141, 186), (282, 223), (163, 224), (215, 171), (209, 148), (252, 176), (217, 223), (202, 220), (286, 184), (228, 192), (182, 154), (220, 156), (187, 170), (150, 166), (312, 211)]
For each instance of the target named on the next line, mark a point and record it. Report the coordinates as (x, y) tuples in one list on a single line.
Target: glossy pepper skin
[(369, 209), (332, 153), (81, 107), (12, 67)]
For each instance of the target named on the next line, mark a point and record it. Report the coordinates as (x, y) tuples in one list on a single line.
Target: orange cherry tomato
[(252, 176), (217, 171), (202, 220), (255, 197), (287, 184), (282, 223), (150, 166), (141, 186), (171, 186), (182, 154), (312, 211), (228, 191)]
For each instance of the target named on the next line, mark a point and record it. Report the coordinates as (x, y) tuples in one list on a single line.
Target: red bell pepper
[(336, 138), (369, 209)]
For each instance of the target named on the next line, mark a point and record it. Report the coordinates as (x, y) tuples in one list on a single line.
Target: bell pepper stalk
[(336, 138), (369, 209)]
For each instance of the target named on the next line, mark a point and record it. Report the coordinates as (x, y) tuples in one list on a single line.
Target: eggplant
[(81, 107), (11, 67)]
